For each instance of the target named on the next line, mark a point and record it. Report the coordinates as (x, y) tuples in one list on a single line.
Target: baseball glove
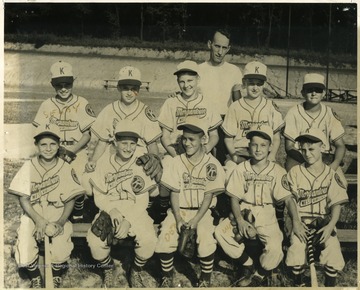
[(152, 165), (103, 228), (66, 155), (317, 224), (187, 242)]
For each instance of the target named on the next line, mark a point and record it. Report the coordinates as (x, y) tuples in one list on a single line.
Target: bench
[(342, 95), (112, 84)]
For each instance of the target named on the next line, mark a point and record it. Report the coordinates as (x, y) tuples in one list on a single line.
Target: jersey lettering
[(64, 125), (192, 183), (245, 125), (40, 189), (182, 113), (112, 180)]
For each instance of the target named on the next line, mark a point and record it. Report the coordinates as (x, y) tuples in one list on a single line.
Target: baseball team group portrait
[(179, 145)]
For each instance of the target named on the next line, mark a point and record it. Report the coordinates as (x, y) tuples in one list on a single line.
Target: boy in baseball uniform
[(319, 192), (313, 114), (254, 186), (121, 189), (127, 107), (47, 187), (74, 116), (253, 109), (174, 111), (193, 178)]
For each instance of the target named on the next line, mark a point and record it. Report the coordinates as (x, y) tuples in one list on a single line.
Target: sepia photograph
[(179, 144)]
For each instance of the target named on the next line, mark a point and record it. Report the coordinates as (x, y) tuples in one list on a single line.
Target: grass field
[(20, 107)]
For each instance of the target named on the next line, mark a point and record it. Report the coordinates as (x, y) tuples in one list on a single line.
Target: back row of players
[(189, 124)]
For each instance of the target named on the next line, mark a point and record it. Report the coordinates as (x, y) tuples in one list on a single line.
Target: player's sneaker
[(245, 280), (108, 278), (136, 280), (167, 282), (57, 281), (36, 282), (203, 283)]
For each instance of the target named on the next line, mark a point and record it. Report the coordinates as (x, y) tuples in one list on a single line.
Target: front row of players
[(194, 178)]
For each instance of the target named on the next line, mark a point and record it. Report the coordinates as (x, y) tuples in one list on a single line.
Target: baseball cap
[(255, 70), (261, 130), (127, 128), (61, 72), (194, 124), (312, 134), (314, 80), (47, 129), (187, 66), (129, 75)]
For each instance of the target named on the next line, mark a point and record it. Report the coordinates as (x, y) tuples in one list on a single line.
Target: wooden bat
[(311, 260), (48, 269)]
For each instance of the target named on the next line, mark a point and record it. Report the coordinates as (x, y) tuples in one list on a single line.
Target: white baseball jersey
[(105, 123), (241, 116), (194, 181), (124, 187), (316, 194), (218, 82), (56, 186), (297, 121), (175, 110), (73, 116)]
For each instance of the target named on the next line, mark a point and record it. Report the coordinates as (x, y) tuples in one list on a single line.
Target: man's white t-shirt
[(218, 82)]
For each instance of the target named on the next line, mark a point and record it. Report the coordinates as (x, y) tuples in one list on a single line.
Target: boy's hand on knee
[(39, 230), (122, 229)]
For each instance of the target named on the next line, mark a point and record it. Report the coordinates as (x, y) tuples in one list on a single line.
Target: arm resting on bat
[(327, 230), (299, 228), (202, 210), (40, 222)]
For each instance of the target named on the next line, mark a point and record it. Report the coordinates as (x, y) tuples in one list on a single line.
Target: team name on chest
[(183, 112), (313, 196), (191, 182), (252, 177), (245, 124), (44, 187), (114, 179)]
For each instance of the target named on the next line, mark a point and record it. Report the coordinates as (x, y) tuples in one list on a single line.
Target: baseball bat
[(311, 260), (48, 269)]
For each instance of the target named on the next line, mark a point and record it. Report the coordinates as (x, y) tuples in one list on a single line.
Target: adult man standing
[(220, 81)]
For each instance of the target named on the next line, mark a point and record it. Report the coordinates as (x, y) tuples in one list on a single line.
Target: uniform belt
[(190, 208), (67, 143)]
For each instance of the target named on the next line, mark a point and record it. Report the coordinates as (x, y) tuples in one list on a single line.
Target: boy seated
[(121, 192), (319, 192), (254, 187), (193, 178)]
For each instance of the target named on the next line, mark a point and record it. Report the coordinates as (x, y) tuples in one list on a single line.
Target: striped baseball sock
[(33, 270), (139, 263), (330, 276), (58, 269), (79, 207), (107, 263), (206, 264), (167, 263), (298, 275)]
